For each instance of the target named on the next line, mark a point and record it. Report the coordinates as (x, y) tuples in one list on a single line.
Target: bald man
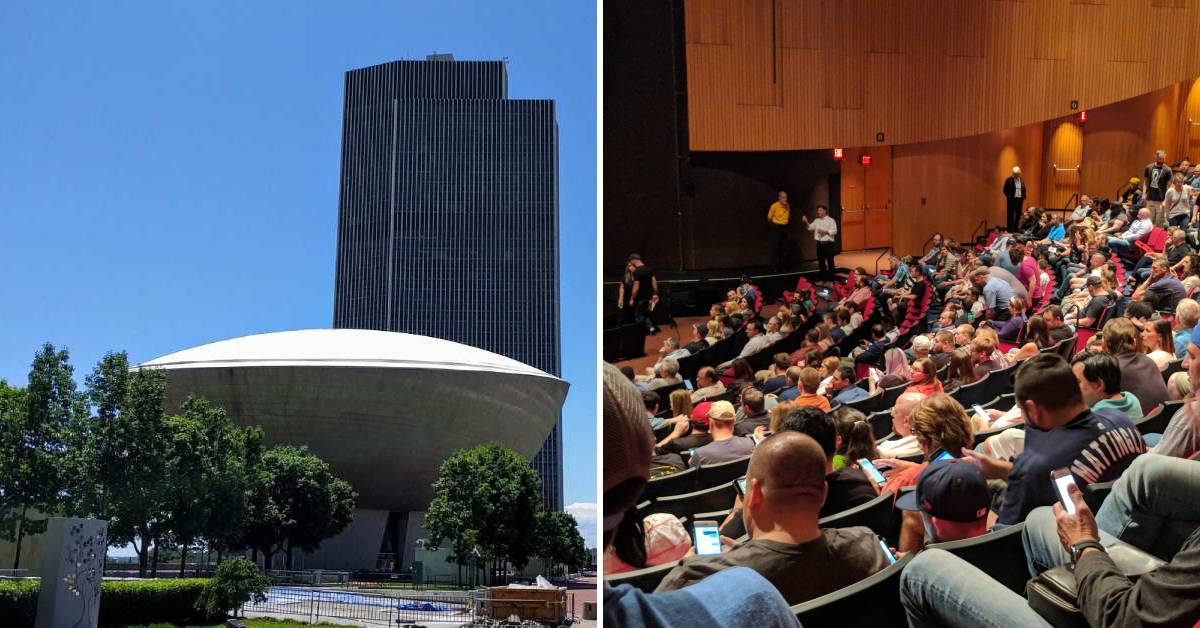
[(906, 445), (785, 489)]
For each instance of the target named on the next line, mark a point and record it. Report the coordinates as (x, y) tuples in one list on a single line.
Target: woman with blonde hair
[(715, 332)]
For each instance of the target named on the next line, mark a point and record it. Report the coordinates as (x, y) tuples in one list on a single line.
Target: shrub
[(124, 602), (18, 602), (235, 582)]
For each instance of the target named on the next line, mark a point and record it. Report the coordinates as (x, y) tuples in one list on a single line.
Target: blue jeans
[(1120, 245), (940, 589), (1152, 507)]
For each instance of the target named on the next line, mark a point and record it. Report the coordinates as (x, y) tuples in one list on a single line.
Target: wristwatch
[(1077, 549)]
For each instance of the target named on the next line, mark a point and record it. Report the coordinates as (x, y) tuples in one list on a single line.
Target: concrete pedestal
[(72, 567)]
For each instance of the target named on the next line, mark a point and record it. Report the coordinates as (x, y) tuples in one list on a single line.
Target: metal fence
[(311, 577), (316, 604), (468, 608)]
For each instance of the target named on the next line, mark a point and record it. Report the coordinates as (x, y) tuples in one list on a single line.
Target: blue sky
[(169, 170)]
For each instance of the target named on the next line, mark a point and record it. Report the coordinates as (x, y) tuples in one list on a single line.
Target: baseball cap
[(722, 410), (667, 540), (632, 257), (1134, 180), (700, 412), (953, 490), (628, 446), (1093, 280)]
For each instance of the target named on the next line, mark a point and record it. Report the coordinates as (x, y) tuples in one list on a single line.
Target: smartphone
[(755, 437), (887, 551), (740, 485), (1062, 479), (708, 538), (981, 412), (687, 383), (871, 471), (941, 454)]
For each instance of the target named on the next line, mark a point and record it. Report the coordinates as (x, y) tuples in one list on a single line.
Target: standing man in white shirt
[(824, 230), (1015, 192)]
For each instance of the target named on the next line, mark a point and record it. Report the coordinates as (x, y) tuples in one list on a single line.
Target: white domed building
[(382, 408)]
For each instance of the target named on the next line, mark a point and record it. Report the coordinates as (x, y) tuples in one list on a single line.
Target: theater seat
[(975, 392), (644, 579), (708, 500), (877, 514), (1156, 421), (724, 473), (674, 484), (999, 554), (874, 601), (1095, 494)]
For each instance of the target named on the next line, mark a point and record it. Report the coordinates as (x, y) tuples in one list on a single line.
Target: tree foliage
[(38, 430), (295, 503), (235, 582), (486, 499), (559, 541)]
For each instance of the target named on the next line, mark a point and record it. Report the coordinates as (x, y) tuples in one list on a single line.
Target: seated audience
[(707, 385), (627, 441), (855, 438), (1158, 343), (961, 370), (1139, 374), (1187, 314), (940, 589), (785, 490), (1060, 432), (777, 379), (906, 445), (1099, 376), (754, 409), (725, 446), (923, 376), (950, 503), (983, 351), (896, 369), (810, 380), (843, 389)]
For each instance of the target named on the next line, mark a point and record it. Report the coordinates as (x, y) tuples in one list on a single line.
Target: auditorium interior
[(909, 121)]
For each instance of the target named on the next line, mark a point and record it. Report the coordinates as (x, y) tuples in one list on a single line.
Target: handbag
[(1054, 593)]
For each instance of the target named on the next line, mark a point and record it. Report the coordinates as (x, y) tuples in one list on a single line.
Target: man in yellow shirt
[(777, 220)]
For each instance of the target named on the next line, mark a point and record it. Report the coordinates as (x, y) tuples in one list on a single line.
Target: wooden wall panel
[(1062, 161), (919, 70), (1120, 140), (952, 185)]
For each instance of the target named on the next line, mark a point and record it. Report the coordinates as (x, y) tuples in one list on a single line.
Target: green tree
[(137, 451), (234, 583), (296, 502), (486, 498), (559, 541), (37, 450), (100, 448)]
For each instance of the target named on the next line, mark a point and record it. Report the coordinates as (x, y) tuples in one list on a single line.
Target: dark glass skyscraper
[(448, 217)]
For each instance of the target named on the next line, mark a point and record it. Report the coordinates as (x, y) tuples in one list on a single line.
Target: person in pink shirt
[(1028, 272)]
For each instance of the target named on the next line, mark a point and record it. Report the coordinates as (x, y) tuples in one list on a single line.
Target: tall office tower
[(448, 217)]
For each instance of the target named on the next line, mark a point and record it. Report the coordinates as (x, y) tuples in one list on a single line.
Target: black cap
[(953, 490)]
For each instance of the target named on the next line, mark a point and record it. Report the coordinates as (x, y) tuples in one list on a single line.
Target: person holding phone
[(785, 489), (627, 450), (940, 589), (1061, 431)]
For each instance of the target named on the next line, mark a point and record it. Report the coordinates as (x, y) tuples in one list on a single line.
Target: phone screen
[(981, 412), (1061, 482), (945, 455), (708, 539), (741, 486), (872, 471), (887, 551), (687, 383)]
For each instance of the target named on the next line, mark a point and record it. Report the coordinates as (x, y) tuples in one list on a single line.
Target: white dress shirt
[(827, 224), (1138, 229)]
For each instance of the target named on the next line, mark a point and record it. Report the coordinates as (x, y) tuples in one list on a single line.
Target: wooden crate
[(544, 605)]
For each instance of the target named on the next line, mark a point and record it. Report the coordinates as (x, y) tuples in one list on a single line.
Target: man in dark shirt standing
[(1154, 186), (1060, 432), (1016, 193), (643, 293)]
